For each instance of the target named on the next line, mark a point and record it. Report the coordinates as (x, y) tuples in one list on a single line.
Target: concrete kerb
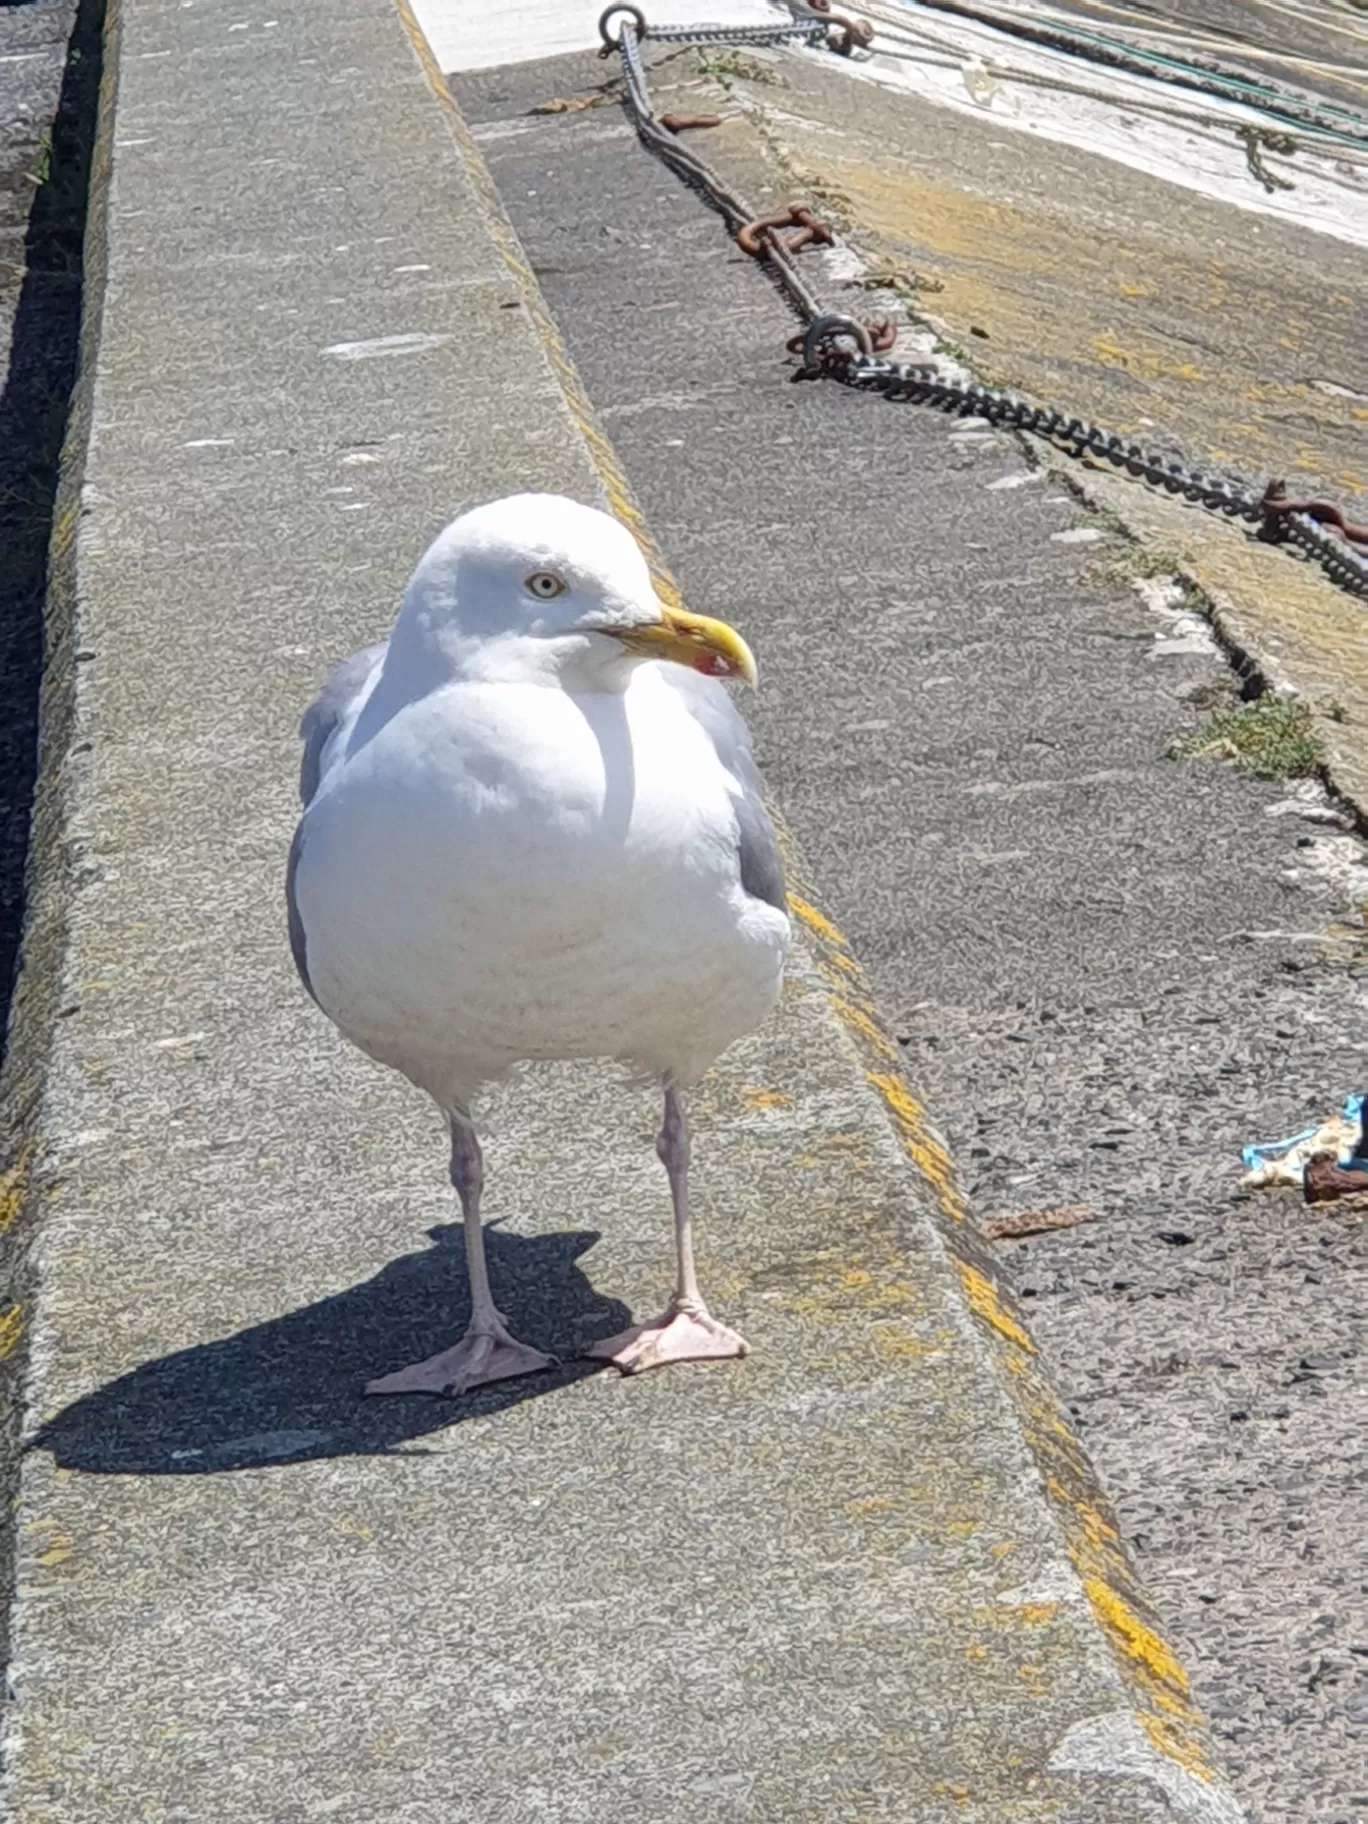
[(35, 1009), (1161, 1741)]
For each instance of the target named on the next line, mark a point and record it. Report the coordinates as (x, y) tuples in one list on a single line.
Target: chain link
[(730, 204), (840, 346), (1076, 436)]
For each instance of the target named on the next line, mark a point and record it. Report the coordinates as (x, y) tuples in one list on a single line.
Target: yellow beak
[(693, 640)]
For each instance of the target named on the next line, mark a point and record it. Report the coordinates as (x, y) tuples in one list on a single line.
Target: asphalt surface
[(1103, 964)]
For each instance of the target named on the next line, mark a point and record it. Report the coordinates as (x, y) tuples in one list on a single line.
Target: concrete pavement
[(869, 1572)]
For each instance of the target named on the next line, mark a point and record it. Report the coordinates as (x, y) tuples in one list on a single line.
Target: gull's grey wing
[(346, 683), (329, 709), (762, 866), (298, 947)]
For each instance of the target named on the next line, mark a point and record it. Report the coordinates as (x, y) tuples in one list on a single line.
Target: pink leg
[(486, 1352), (688, 1332)]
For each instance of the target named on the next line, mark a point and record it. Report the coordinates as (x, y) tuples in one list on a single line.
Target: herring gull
[(533, 829)]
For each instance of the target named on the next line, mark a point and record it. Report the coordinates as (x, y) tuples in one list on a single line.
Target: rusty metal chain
[(738, 214), (848, 349), (1342, 550), (625, 14)]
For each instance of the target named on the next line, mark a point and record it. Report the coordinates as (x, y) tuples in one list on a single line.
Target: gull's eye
[(545, 585)]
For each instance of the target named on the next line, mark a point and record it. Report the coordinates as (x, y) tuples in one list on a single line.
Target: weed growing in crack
[(1272, 738)]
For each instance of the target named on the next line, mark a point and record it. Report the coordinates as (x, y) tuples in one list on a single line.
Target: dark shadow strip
[(44, 428)]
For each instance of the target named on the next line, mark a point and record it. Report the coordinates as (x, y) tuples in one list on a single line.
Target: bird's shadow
[(290, 1390)]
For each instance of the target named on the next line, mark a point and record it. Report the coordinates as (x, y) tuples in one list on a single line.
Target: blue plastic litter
[(1350, 1160)]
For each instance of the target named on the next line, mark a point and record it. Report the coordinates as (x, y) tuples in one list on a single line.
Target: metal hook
[(1275, 505), (684, 123), (750, 238)]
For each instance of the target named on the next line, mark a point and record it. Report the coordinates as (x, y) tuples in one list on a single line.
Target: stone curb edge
[(49, 871)]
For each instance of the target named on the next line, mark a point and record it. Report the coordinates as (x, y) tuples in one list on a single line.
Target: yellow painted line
[(1158, 1684), (12, 1326), (816, 922), (984, 1299), (1141, 1641), (862, 1023), (64, 532), (758, 1099), (923, 1148), (14, 1191)]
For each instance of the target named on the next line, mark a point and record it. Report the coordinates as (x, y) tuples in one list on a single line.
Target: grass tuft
[(1141, 564), (727, 67), (42, 169), (1272, 738)]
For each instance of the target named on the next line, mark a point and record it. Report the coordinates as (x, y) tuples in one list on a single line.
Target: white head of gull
[(533, 829)]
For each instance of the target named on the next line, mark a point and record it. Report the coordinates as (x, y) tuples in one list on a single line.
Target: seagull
[(533, 829)]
